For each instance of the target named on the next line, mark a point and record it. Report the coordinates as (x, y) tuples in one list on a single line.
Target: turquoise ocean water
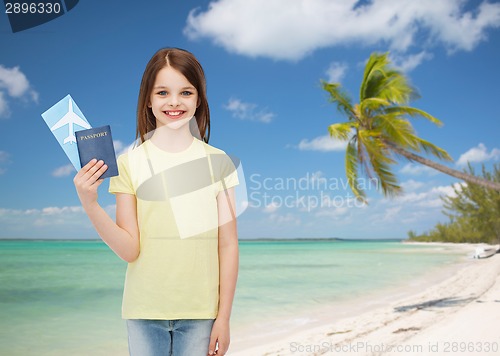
[(64, 297)]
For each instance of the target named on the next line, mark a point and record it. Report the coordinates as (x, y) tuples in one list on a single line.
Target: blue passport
[(97, 143)]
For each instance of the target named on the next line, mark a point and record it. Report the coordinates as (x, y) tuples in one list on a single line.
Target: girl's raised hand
[(87, 181)]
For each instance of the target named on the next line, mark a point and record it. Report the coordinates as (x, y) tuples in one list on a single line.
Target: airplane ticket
[(63, 119)]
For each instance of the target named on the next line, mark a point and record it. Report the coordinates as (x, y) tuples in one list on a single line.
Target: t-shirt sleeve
[(122, 182), (228, 172)]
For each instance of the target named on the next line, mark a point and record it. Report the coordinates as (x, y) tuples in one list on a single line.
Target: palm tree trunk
[(447, 170)]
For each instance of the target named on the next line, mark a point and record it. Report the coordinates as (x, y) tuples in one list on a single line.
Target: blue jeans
[(187, 337)]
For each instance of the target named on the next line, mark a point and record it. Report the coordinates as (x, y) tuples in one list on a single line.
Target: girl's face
[(173, 99)]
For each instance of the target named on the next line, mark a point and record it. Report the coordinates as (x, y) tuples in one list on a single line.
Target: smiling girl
[(175, 221)]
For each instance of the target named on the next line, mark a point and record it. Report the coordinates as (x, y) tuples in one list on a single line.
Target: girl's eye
[(163, 92), (186, 93)]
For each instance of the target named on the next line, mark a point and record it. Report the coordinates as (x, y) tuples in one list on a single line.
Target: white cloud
[(14, 83), (286, 219), (448, 190), (54, 210), (64, 171), (290, 30), (407, 63), (4, 212), (429, 198), (50, 216), (420, 208), (64, 217), (51, 221), (248, 111), (432, 198), (50, 210), (478, 154), (271, 208), (333, 213), (322, 143), (411, 197), (411, 185), (417, 169), (121, 148), (336, 72), (118, 145)]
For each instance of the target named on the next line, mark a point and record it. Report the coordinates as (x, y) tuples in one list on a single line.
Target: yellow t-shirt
[(176, 275)]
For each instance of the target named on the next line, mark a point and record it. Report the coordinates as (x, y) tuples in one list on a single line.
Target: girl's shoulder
[(211, 149), (220, 160)]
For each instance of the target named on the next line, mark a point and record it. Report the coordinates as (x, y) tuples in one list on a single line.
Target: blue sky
[(264, 61)]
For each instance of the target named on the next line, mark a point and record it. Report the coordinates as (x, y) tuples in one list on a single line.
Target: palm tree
[(378, 130)]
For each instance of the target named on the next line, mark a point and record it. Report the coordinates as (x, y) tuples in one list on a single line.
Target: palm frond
[(381, 80), (340, 97), (392, 85), (397, 89), (380, 161), (397, 130), (373, 104), (413, 112), (433, 149), (374, 64), (351, 168), (342, 131)]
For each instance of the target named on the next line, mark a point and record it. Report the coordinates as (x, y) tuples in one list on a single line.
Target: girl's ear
[(198, 103), (149, 105)]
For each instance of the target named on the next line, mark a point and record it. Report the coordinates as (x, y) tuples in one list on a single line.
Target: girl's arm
[(123, 236), (228, 270)]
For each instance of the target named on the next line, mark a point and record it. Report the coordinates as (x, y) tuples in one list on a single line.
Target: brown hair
[(186, 63)]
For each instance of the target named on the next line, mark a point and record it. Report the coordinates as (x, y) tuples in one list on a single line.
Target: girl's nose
[(174, 100)]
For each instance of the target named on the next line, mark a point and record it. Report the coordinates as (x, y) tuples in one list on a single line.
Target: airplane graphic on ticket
[(63, 119)]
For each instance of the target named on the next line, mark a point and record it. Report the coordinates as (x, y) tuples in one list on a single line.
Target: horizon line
[(239, 239)]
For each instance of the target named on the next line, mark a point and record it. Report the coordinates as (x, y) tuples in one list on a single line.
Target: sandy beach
[(457, 313)]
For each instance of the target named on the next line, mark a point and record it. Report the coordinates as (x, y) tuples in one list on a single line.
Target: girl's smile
[(174, 114), (173, 98)]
